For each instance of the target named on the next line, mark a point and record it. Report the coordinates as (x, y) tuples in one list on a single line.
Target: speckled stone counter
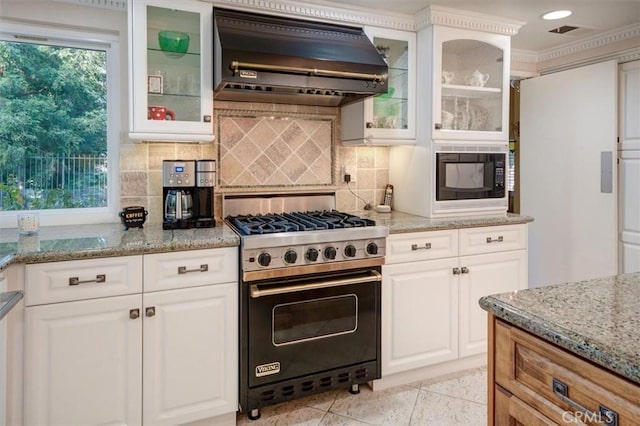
[(399, 222), (596, 319), (57, 243)]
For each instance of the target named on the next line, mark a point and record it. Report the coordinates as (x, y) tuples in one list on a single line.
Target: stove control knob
[(350, 251), (372, 248), (312, 255), (290, 256), (330, 253), (264, 259)]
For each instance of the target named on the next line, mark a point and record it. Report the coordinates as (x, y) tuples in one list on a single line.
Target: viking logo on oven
[(267, 369)]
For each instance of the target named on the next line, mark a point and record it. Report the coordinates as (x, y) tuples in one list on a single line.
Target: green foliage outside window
[(53, 127)]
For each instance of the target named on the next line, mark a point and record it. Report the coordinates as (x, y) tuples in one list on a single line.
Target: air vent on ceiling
[(570, 30)]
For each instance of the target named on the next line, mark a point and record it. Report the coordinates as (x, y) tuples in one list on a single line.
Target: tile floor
[(456, 399)]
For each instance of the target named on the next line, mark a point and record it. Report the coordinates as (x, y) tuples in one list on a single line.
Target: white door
[(629, 169), (483, 275), (419, 314), (629, 106), (567, 120), (190, 354), (83, 363)]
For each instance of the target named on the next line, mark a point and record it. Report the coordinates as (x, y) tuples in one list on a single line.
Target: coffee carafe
[(178, 185)]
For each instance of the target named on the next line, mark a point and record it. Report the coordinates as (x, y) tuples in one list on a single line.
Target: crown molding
[(323, 12), (438, 15), (524, 56), (120, 5)]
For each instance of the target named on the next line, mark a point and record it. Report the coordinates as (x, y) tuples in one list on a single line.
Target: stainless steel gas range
[(309, 296)]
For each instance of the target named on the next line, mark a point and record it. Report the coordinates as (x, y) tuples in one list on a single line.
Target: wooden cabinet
[(435, 279), (387, 119), (170, 71), (127, 356), (548, 385), (629, 168)]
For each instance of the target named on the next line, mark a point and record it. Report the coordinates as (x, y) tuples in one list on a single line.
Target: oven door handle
[(256, 291)]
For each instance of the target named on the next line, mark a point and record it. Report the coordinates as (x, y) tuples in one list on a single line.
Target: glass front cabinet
[(170, 71), (386, 119), (470, 85)]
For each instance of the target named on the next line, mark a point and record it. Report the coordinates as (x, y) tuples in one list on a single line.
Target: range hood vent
[(260, 58)]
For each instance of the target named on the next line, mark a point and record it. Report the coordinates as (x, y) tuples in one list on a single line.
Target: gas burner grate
[(298, 221)]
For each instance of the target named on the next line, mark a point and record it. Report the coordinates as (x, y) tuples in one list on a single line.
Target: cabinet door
[(419, 314), (480, 276), (629, 105), (170, 70), (470, 85), (511, 411), (83, 363), (387, 119), (190, 354), (629, 211)]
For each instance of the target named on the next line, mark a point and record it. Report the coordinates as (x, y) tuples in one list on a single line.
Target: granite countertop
[(597, 319), (57, 243)]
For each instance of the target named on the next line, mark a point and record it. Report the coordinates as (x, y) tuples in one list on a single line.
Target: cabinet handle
[(464, 270), (438, 126), (99, 279), (206, 119), (497, 240), (134, 313), (456, 271), (369, 125), (415, 247), (604, 414), (150, 311), (184, 270)]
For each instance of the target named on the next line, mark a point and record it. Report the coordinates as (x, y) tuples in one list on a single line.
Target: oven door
[(312, 324)]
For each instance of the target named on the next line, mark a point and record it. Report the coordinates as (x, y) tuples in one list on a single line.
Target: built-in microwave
[(471, 176)]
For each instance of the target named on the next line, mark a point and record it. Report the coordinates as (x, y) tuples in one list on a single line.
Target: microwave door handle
[(256, 291)]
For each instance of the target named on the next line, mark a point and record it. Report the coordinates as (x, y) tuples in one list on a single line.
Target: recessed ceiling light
[(556, 14)]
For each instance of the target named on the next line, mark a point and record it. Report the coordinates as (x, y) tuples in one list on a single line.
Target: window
[(58, 126)]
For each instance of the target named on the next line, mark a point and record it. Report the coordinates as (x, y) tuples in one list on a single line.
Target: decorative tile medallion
[(267, 149)]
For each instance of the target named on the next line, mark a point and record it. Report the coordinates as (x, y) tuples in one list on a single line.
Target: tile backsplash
[(263, 147)]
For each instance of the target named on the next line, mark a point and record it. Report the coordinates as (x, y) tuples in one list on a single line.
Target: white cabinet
[(629, 169), (386, 119), (470, 81), (121, 356), (170, 71), (83, 362), (432, 282)]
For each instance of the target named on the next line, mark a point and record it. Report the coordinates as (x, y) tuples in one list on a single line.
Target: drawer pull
[(99, 279), (456, 271), (604, 415), (415, 247), (497, 240), (150, 311), (464, 270), (184, 270), (134, 313)]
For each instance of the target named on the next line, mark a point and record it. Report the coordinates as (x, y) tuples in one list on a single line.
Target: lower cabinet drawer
[(165, 271), (547, 378), (82, 279), (417, 246), (492, 239)]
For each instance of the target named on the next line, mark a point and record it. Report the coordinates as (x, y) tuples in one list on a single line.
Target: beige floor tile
[(470, 385), (331, 419), (434, 409), (389, 407)]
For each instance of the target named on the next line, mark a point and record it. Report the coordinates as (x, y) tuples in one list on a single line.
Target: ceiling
[(591, 16)]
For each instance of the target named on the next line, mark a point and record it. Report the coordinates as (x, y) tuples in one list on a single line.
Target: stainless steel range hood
[(260, 58)]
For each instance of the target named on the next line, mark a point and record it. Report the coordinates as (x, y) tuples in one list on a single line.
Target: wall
[(141, 163)]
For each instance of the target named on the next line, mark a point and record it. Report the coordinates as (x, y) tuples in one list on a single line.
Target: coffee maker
[(187, 193)]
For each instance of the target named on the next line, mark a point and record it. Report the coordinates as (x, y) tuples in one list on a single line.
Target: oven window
[(314, 319), (464, 175)]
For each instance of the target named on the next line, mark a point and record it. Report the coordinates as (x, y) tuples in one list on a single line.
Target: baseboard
[(425, 373)]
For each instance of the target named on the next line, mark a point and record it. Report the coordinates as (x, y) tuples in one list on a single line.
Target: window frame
[(109, 43)]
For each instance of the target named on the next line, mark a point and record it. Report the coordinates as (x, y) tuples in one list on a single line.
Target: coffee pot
[(178, 205)]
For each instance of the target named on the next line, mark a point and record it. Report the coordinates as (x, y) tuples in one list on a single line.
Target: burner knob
[(264, 259), (290, 256), (350, 251), (372, 248), (312, 255), (330, 253)]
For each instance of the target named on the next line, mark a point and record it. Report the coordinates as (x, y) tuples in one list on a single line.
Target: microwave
[(471, 173)]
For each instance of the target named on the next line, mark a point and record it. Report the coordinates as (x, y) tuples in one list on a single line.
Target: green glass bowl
[(173, 41)]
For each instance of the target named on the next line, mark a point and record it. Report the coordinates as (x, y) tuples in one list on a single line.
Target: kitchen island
[(563, 352)]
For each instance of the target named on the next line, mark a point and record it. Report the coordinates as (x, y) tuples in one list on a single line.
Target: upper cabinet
[(386, 119), (470, 91), (170, 70)]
